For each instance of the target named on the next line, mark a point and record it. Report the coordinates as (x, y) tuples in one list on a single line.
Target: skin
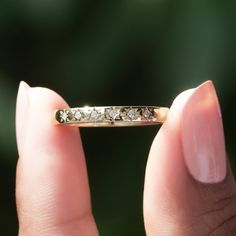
[(175, 202)]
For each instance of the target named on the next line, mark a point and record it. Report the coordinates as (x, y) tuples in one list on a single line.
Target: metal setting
[(111, 116)]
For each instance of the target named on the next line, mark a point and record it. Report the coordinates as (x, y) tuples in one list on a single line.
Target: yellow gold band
[(111, 116)]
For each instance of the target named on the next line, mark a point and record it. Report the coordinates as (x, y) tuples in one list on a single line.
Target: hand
[(189, 188)]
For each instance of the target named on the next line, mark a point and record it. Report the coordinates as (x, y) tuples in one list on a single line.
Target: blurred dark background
[(112, 53)]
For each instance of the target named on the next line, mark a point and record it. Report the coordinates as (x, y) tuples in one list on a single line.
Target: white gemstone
[(86, 114), (132, 114), (64, 116), (113, 113), (78, 115), (146, 113), (94, 115)]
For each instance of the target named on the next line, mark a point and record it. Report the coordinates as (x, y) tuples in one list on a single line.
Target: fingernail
[(203, 135), (22, 110)]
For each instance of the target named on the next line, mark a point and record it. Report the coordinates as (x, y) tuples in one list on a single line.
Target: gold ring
[(111, 116)]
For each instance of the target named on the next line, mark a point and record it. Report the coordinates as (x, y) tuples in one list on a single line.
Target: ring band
[(111, 116)]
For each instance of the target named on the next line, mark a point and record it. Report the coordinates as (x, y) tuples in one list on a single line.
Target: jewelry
[(111, 116)]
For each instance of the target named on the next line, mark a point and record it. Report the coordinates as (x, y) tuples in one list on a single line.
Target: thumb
[(189, 188)]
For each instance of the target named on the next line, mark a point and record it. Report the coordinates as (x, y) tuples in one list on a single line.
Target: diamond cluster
[(104, 114)]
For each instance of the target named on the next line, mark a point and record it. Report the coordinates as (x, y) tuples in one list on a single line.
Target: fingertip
[(186, 166), (35, 107), (172, 125), (179, 102), (52, 187)]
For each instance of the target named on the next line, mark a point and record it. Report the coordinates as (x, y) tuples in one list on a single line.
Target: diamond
[(133, 114), (146, 113), (64, 116), (70, 115), (113, 113), (78, 115), (94, 115), (86, 114)]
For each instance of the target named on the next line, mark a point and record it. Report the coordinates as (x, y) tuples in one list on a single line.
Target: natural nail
[(203, 135), (22, 107)]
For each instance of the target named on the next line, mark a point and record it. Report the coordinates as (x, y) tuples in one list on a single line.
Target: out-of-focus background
[(112, 53)]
